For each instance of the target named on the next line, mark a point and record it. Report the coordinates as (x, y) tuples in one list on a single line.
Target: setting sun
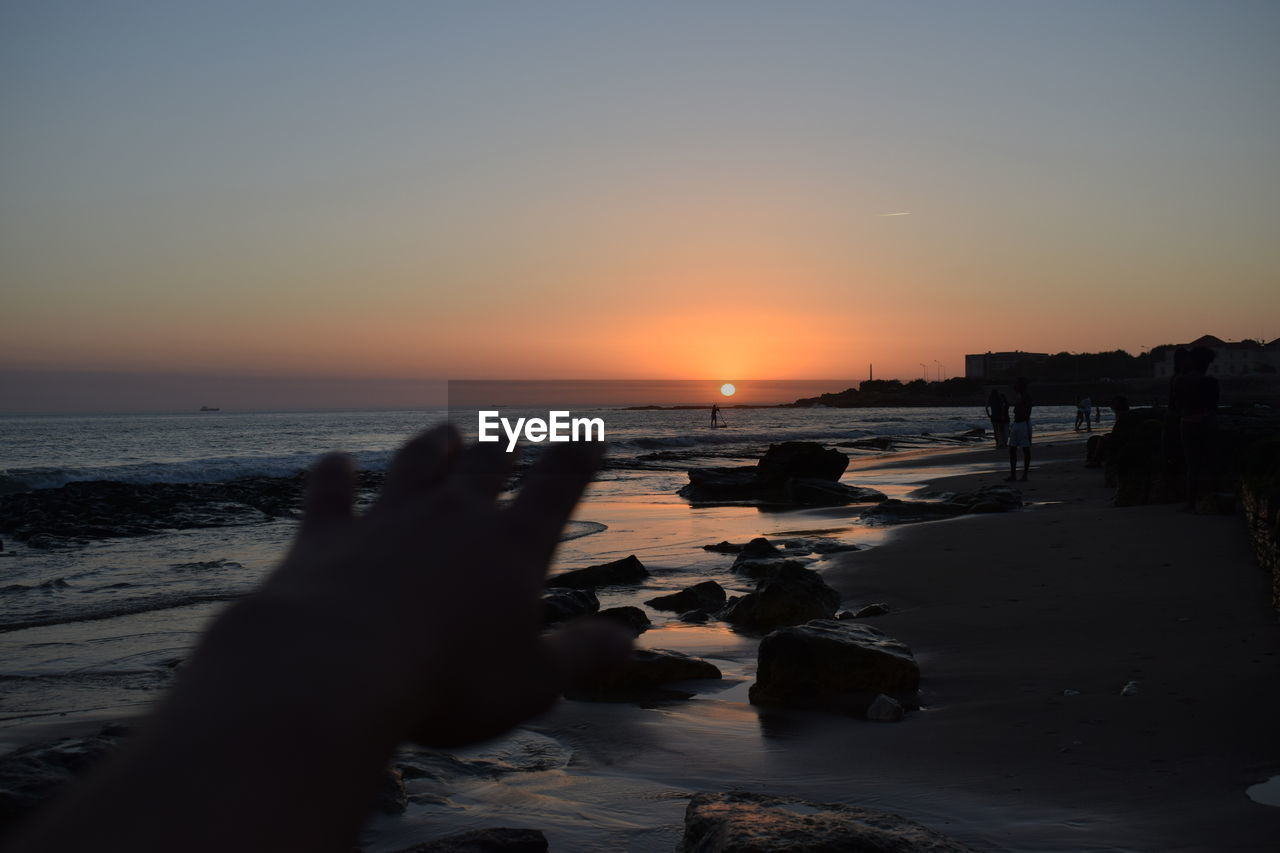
[(727, 389)]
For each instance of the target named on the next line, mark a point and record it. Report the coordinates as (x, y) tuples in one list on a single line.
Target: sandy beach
[(1027, 626), (1007, 613)]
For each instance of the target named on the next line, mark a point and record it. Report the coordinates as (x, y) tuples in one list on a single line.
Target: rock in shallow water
[(628, 617), (833, 665), (741, 822), (643, 675), (561, 605), (628, 570), (793, 472), (885, 709), (789, 595), (986, 499), (707, 595)]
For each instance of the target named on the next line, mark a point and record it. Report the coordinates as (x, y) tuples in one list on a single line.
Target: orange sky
[(666, 191)]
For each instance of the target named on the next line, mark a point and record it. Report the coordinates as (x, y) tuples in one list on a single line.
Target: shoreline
[(1004, 612), (1007, 612)]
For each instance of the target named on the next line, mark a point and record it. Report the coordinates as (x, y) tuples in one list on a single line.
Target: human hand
[(423, 618)]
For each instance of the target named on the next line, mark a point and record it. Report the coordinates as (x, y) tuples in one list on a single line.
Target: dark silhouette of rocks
[(793, 472), (985, 499), (707, 595), (628, 570), (629, 617), (834, 665), (561, 605), (644, 676), (757, 549), (789, 595), (742, 822)]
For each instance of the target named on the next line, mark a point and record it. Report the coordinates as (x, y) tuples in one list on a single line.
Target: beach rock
[(877, 609), (985, 499), (724, 547), (627, 616), (644, 675), (496, 840), (885, 709), (789, 596), (742, 822), (561, 605), (628, 570), (707, 595), (757, 549), (801, 459), (759, 569), (771, 479), (804, 491), (32, 774), (721, 484), (106, 509), (840, 666), (826, 546), (696, 617)]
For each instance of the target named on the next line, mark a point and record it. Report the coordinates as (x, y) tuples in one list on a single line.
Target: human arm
[(418, 621)]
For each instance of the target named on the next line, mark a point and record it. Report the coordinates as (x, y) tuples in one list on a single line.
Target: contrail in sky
[(904, 213)]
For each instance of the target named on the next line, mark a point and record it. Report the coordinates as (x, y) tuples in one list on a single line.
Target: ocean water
[(94, 632)]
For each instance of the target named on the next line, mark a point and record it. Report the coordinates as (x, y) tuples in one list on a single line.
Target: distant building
[(1232, 358), (988, 365)]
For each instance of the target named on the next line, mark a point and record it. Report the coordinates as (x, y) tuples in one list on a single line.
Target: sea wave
[(579, 529), (112, 609), (210, 470), (729, 436)]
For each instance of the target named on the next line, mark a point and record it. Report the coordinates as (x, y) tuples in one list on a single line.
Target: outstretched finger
[(331, 486), (550, 492), (419, 465), (480, 472)]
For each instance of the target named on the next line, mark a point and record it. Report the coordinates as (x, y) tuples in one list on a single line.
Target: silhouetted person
[(998, 411), (716, 420), (1020, 431), (1084, 410), (1196, 396), (279, 727)]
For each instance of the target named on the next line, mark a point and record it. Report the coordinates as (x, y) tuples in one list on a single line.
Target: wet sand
[(1006, 612)]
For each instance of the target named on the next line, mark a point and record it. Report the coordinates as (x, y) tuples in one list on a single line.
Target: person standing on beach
[(716, 420), (1020, 432), (998, 411), (1084, 413)]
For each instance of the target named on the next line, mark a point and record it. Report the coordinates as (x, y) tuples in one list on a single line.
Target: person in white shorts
[(1020, 430)]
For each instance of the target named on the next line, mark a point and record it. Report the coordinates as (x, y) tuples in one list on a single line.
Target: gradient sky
[(430, 190)]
